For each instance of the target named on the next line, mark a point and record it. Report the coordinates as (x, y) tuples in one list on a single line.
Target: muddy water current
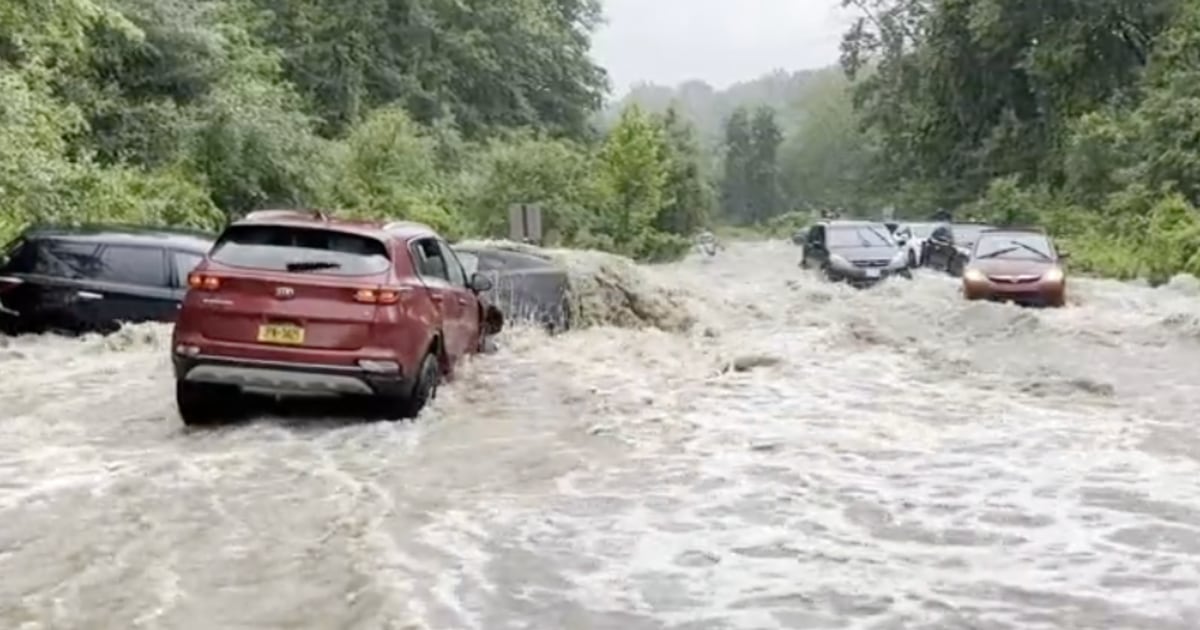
[(803, 456)]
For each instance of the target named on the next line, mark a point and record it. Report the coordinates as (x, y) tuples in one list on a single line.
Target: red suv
[(296, 303)]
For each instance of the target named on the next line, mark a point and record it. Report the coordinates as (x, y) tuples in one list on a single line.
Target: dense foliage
[(709, 108), (189, 112), (1083, 115)]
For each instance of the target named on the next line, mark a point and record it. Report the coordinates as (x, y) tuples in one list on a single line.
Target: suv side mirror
[(480, 282)]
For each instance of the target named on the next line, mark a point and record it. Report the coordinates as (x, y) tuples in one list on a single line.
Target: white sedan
[(912, 237)]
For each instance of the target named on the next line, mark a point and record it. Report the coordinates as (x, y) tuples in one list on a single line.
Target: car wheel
[(204, 404), (912, 259), (407, 407)]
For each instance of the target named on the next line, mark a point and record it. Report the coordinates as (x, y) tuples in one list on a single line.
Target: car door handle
[(88, 295), (437, 297), (464, 301)]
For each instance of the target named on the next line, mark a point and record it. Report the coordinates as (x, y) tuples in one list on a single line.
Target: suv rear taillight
[(202, 282), (377, 296)]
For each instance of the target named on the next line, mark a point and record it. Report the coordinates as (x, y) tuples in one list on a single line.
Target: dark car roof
[(176, 238), (404, 230), (525, 260)]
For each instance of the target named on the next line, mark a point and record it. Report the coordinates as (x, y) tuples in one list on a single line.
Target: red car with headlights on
[(292, 303), (1016, 265)]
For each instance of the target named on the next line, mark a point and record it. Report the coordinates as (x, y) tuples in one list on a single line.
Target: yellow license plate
[(281, 333)]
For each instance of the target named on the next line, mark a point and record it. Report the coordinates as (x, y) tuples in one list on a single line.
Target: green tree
[(634, 169), (736, 196), (763, 168), (688, 192), (486, 64), (827, 161)]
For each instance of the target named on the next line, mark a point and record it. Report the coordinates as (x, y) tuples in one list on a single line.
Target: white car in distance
[(913, 237)]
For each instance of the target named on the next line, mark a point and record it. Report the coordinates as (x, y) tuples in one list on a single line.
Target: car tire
[(424, 389), (205, 404), (912, 259)]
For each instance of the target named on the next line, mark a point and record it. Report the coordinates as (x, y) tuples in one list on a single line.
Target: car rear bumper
[(289, 379)]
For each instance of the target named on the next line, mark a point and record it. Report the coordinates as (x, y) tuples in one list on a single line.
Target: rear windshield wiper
[(312, 265)]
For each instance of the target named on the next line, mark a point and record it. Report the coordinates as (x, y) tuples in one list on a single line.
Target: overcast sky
[(719, 41)]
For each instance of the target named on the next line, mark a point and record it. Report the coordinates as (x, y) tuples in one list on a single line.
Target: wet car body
[(74, 280), (298, 304), (1022, 266), (861, 253), (525, 287), (913, 237)]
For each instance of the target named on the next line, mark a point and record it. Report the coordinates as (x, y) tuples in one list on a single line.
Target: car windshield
[(859, 236), (1015, 246), (300, 250)]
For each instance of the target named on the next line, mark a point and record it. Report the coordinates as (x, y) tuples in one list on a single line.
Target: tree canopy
[(446, 111)]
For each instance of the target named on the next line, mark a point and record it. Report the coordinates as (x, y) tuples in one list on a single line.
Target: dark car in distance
[(858, 252), (1016, 265), (75, 280), (525, 287)]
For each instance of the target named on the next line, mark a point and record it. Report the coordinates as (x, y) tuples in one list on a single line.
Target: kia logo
[(285, 293)]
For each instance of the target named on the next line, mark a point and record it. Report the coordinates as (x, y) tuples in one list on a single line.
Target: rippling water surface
[(806, 456)]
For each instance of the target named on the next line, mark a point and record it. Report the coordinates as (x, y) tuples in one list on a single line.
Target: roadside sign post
[(525, 222)]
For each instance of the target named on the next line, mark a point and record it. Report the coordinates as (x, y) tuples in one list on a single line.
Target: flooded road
[(806, 456)]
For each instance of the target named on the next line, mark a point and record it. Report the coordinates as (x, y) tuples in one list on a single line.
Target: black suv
[(93, 279), (525, 287), (859, 252)]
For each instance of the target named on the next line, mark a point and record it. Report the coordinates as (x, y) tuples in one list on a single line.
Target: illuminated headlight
[(899, 261), (186, 350), (1054, 275), (974, 275)]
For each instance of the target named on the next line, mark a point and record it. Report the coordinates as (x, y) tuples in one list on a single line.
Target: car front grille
[(869, 263), (1013, 279)]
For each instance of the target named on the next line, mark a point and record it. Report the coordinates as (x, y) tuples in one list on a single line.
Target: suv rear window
[(311, 250)]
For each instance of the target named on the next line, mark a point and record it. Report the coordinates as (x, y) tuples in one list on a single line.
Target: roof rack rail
[(396, 225), (283, 214)]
